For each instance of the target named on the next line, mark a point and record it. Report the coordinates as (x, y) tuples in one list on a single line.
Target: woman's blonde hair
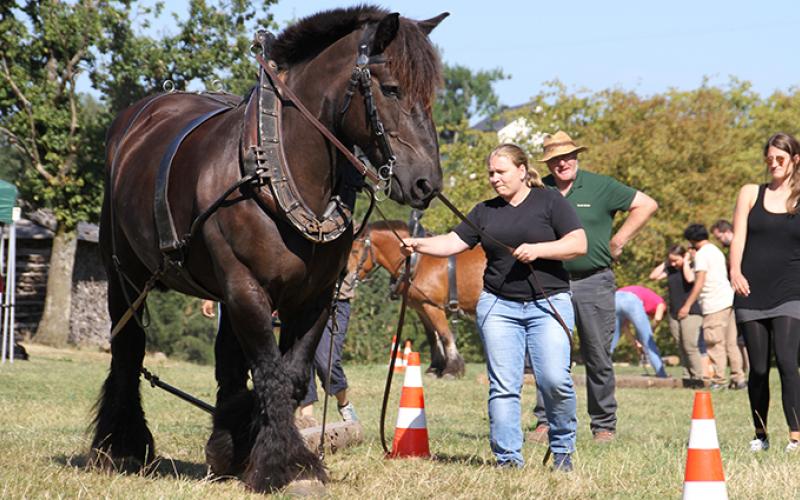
[(518, 157)]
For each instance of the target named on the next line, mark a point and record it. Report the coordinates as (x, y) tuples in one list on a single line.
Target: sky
[(644, 46)]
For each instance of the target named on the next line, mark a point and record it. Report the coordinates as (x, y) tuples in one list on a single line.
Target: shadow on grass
[(161, 467), (461, 459)]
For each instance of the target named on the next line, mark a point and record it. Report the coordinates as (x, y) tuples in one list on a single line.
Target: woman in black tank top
[(765, 273)]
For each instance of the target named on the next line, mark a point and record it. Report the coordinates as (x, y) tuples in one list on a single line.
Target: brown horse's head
[(405, 72)]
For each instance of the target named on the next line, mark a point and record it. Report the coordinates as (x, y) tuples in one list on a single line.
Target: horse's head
[(371, 76), (361, 261), (405, 71)]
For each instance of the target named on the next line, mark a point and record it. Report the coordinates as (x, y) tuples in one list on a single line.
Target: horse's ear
[(385, 33), (427, 25)]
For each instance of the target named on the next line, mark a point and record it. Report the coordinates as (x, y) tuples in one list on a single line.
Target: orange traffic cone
[(398, 362), (704, 478), (411, 431), (406, 352)]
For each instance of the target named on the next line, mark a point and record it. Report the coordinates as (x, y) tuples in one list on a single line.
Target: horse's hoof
[(305, 488), (219, 453)]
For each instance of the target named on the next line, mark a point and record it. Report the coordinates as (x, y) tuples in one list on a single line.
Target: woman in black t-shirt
[(677, 269), (513, 315)]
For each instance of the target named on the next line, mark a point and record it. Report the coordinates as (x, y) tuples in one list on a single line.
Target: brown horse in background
[(243, 247), (428, 294)]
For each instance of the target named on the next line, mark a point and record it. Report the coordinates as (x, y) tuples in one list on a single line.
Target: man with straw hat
[(596, 198)]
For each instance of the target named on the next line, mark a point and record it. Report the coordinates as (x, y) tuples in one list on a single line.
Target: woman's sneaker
[(793, 447), (348, 412), (759, 444)]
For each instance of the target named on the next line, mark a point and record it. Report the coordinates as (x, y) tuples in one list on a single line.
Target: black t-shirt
[(679, 289), (544, 215)]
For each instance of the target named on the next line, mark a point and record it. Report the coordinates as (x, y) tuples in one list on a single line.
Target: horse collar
[(263, 156)]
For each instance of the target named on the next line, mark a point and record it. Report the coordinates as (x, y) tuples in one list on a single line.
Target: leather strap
[(289, 94)]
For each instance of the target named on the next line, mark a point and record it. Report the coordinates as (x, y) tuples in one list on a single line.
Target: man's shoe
[(604, 436), (539, 435), (562, 462), (737, 386), (759, 444), (792, 447), (348, 412), (717, 387)]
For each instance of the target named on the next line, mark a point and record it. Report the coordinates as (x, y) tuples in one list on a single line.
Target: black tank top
[(771, 260), (679, 289)]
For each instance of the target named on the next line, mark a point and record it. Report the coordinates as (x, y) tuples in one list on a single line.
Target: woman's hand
[(408, 246), (740, 283), (207, 308), (526, 253)]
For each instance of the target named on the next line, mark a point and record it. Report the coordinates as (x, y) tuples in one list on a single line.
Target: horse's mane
[(411, 56)]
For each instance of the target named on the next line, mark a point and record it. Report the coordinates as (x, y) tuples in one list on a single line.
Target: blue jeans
[(629, 307), (511, 330), (320, 365)]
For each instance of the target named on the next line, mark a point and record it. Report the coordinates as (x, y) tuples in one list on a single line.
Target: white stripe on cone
[(411, 418), (413, 376), (707, 490), (703, 435)]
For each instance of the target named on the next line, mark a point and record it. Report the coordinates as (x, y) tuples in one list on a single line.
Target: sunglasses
[(780, 160), (567, 157)]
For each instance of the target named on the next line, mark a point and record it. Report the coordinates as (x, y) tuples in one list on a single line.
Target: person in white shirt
[(713, 289)]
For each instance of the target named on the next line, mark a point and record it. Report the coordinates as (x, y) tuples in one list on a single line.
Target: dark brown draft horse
[(429, 293), (249, 253)]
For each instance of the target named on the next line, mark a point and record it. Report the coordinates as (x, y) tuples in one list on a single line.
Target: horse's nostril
[(424, 186)]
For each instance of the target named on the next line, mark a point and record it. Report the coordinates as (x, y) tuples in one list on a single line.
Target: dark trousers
[(320, 366), (593, 298), (763, 338)]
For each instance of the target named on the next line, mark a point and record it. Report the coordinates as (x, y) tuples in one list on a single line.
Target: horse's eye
[(390, 90)]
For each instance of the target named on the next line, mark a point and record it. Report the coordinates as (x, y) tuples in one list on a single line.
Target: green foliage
[(465, 94), (43, 47), (178, 329), (211, 45)]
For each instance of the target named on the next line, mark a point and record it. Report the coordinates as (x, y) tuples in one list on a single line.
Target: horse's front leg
[(454, 363), (232, 437), (300, 334), (279, 455)]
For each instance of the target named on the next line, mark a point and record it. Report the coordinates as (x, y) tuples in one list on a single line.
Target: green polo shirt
[(596, 198)]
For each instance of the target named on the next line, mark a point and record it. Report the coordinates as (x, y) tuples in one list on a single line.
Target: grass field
[(45, 407)]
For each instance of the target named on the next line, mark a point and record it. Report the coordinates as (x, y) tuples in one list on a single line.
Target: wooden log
[(338, 435)]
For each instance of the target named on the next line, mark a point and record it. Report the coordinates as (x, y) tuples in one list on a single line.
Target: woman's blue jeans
[(511, 330), (629, 307)]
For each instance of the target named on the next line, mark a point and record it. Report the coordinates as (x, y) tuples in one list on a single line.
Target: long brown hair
[(518, 157), (789, 144)]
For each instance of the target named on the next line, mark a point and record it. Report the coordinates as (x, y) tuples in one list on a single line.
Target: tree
[(43, 48), (465, 94), (58, 134)]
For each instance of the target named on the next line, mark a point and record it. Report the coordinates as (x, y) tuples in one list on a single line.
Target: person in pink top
[(636, 305)]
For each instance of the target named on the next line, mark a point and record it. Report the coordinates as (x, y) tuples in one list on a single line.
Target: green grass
[(45, 409)]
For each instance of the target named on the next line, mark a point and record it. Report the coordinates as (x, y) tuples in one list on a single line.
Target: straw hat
[(559, 144)]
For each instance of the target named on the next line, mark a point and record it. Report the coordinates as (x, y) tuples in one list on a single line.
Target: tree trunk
[(54, 326)]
